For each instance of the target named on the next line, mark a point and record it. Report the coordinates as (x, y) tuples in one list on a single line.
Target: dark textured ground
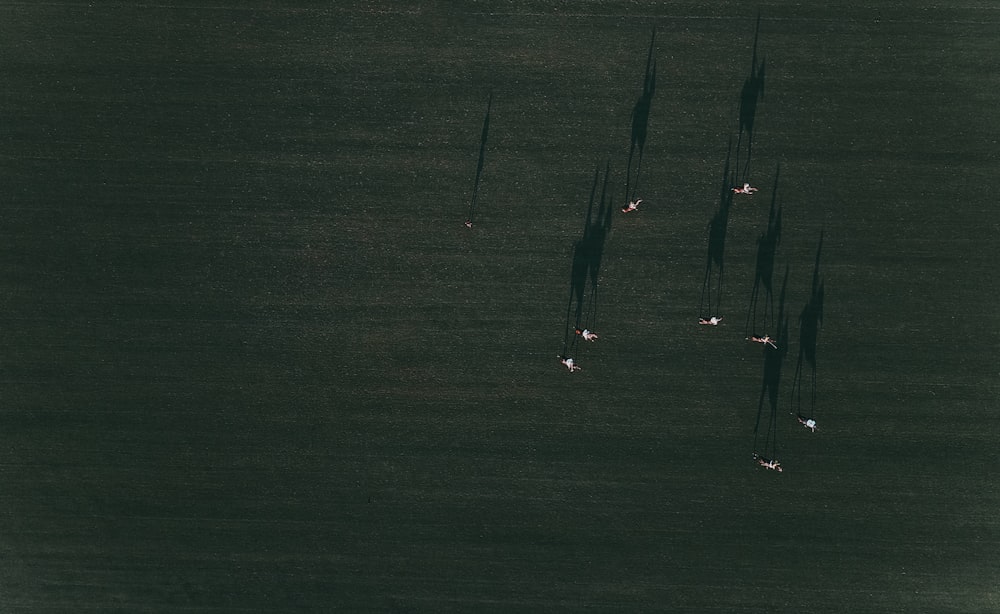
[(252, 360)]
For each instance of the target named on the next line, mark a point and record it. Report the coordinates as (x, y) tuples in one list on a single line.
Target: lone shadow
[(774, 358), (715, 260), (640, 120), (479, 165), (767, 245), (809, 322), (588, 255), (751, 93)]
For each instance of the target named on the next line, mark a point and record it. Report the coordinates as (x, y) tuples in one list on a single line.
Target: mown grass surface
[(254, 362)]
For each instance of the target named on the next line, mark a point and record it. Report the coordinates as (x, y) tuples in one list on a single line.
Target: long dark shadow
[(588, 255), (599, 230), (640, 120), (767, 246), (809, 323), (751, 93), (479, 165), (715, 259), (578, 276), (774, 358)]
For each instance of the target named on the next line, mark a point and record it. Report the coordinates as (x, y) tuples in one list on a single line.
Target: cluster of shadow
[(751, 93), (588, 251), (774, 356)]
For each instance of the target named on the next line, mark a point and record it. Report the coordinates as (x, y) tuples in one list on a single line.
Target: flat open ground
[(252, 361)]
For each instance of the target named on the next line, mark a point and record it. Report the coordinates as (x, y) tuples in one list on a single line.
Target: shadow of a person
[(810, 321), (588, 254), (640, 120), (479, 166), (715, 258), (767, 246), (751, 93), (774, 358)]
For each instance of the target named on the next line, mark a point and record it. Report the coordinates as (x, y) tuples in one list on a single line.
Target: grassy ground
[(253, 361)]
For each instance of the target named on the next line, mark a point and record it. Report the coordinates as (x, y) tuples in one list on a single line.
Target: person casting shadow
[(774, 358), (588, 254), (767, 246), (809, 322), (640, 121), (479, 165), (751, 93), (715, 258)]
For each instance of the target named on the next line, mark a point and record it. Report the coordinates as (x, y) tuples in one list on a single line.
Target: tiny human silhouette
[(632, 206), (746, 189), (468, 223), (809, 423), (713, 321), (766, 339), (768, 463), (572, 366), (586, 334)]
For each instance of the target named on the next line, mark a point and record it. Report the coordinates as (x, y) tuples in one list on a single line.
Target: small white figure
[(632, 206), (746, 189), (572, 366), (766, 339), (767, 463), (809, 423), (586, 334), (713, 321)]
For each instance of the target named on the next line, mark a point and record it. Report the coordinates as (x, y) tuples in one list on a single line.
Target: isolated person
[(746, 189), (809, 423), (713, 321), (468, 223), (632, 206), (586, 334), (766, 339), (572, 366), (768, 463)]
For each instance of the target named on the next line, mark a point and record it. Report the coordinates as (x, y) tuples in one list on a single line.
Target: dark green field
[(252, 361)]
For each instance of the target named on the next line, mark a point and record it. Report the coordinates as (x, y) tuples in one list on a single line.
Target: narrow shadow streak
[(774, 358), (588, 254), (767, 246), (640, 120), (715, 259), (751, 93), (479, 165), (810, 321)]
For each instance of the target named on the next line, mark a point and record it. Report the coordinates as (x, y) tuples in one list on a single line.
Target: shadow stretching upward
[(774, 358), (715, 259), (767, 246), (640, 120), (588, 254), (479, 165), (809, 322), (751, 93)]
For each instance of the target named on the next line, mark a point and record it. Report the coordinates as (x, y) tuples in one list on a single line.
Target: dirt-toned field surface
[(253, 361)]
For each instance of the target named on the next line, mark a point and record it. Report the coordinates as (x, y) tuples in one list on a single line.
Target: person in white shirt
[(632, 206), (809, 423), (572, 366), (766, 339)]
